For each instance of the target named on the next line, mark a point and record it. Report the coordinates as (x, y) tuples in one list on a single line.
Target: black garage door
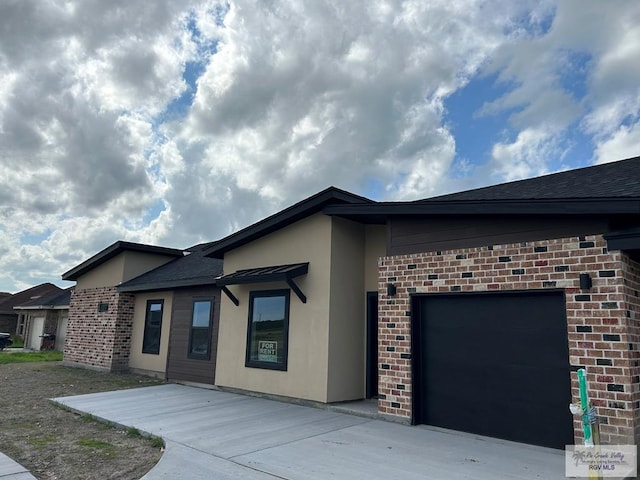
[(495, 364)]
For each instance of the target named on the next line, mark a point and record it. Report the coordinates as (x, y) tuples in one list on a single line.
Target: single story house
[(13, 321), (43, 321), (470, 311)]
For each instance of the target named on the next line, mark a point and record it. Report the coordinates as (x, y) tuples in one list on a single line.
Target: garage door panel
[(496, 365)]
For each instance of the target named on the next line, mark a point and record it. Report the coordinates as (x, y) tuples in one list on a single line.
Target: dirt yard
[(57, 444)]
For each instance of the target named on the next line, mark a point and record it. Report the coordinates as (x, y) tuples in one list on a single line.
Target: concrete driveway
[(218, 435)]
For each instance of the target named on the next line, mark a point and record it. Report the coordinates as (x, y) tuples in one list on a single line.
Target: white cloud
[(524, 157), (101, 139), (580, 77), (624, 143), (299, 97)]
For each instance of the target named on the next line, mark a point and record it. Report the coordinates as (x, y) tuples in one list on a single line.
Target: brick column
[(631, 275), (99, 339)]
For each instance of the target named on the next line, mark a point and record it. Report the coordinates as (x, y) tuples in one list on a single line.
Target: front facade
[(491, 300), (319, 351), (540, 328), (470, 311)]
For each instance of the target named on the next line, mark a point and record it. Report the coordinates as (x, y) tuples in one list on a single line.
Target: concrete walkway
[(10, 470), (218, 435)]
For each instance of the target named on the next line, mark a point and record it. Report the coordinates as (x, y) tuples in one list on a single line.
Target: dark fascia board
[(285, 217), (623, 239), (113, 250), (168, 285), (42, 307), (602, 206), (237, 278)]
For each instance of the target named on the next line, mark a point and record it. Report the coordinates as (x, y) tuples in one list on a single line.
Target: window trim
[(146, 321), (261, 364), (195, 356)]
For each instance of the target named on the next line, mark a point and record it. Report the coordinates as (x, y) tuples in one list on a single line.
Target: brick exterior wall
[(603, 323), (99, 340), (631, 273)]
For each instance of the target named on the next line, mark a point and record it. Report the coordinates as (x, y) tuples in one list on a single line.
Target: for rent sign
[(267, 351)]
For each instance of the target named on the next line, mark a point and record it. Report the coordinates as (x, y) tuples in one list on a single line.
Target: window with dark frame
[(200, 331), (152, 327), (268, 329)]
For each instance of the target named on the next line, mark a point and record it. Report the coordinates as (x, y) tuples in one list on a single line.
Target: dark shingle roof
[(34, 293), (608, 189), (619, 179), (190, 270), (61, 299)]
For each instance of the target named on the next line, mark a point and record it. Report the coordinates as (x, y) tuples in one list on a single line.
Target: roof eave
[(285, 217), (168, 285), (113, 250), (42, 307), (623, 239), (592, 206)]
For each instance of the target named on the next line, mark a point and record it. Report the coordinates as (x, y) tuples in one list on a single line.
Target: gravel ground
[(57, 444)]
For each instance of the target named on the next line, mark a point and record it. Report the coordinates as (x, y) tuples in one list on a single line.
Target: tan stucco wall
[(347, 317), (122, 267), (107, 274), (308, 240), (137, 263), (143, 361), (375, 246)]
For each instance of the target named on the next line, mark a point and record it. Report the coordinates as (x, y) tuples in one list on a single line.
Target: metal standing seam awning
[(278, 273)]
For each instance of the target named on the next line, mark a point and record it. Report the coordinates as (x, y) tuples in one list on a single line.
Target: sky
[(178, 122)]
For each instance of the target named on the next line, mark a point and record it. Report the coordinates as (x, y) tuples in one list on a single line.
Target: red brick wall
[(598, 330), (100, 340)]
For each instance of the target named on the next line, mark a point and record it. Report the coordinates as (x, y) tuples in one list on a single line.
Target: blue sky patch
[(476, 133)]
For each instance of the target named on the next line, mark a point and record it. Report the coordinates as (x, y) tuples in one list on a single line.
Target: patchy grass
[(26, 357), (18, 341), (54, 442), (154, 441), (97, 446), (42, 442), (133, 432), (87, 417)]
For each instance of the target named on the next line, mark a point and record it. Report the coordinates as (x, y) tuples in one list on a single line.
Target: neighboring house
[(469, 311), (45, 323), (12, 321)]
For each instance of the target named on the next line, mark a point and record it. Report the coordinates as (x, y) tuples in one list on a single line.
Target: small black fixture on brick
[(391, 289), (585, 281)]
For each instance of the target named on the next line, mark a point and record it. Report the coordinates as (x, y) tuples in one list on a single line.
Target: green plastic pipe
[(584, 403)]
